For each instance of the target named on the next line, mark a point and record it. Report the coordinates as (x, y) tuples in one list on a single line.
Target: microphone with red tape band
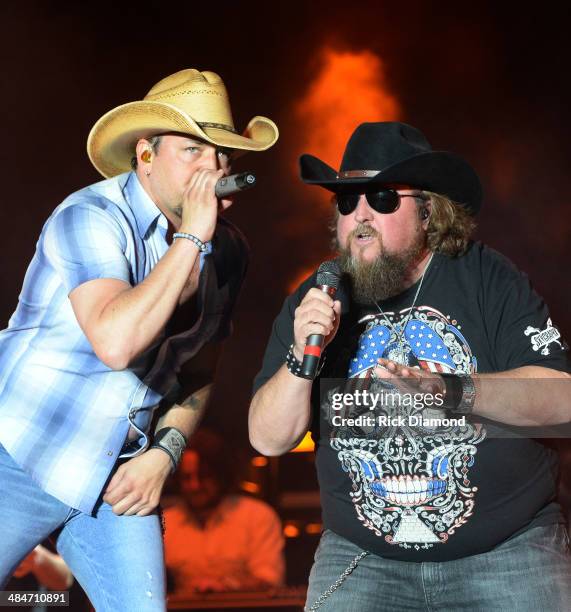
[(328, 275)]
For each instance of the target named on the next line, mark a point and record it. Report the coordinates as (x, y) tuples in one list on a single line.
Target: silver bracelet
[(197, 241)]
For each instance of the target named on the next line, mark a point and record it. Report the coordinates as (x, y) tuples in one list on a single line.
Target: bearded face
[(386, 273)]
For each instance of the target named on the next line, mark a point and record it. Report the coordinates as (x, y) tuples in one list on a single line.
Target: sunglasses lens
[(347, 202), (384, 201)]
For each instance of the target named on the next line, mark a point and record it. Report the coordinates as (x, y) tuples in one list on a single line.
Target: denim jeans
[(528, 573), (118, 560)]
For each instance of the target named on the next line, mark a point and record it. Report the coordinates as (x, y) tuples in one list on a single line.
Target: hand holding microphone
[(317, 319), (200, 205)]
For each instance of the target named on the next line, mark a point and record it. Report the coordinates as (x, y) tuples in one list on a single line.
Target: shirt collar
[(144, 209)]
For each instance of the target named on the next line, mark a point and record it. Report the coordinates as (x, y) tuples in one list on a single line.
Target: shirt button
[(110, 453)]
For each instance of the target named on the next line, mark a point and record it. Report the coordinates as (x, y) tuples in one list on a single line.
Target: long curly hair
[(450, 226)]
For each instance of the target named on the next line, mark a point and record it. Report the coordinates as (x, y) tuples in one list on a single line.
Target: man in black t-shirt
[(440, 505)]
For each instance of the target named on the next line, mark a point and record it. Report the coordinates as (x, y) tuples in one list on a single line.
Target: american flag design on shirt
[(430, 340)]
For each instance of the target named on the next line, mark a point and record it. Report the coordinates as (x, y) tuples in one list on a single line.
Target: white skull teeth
[(409, 490)]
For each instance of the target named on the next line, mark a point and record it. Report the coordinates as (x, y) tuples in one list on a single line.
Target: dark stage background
[(488, 82)]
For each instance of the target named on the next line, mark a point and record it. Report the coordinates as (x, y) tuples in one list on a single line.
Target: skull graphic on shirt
[(410, 482)]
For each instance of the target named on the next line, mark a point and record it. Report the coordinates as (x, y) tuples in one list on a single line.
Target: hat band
[(220, 126), (358, 173)]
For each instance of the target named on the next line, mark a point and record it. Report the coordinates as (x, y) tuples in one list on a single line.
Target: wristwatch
[(466, 405), (460, 393)]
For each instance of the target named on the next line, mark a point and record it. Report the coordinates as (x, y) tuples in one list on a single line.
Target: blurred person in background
[(216, 538), (44, 570), (49, 569)]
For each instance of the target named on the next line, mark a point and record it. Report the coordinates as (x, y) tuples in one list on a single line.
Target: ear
[(425, 214), (144, 151)]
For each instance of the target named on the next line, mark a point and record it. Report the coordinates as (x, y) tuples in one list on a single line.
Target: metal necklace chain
[(400, 334)]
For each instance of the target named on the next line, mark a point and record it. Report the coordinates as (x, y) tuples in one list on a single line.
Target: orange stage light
[(259, 461), (250, 487), (349, 88), (291, 531)]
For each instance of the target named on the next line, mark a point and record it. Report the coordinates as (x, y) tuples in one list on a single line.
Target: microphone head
[(328, 274)]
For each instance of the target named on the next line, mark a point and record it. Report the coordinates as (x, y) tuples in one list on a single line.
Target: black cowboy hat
[(391, 152)]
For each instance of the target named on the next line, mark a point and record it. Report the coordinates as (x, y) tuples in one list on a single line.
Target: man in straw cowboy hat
[(424, 505), (123, 309)]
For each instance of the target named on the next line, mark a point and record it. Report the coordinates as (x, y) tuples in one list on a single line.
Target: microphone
[(227, 185), (328, 275)]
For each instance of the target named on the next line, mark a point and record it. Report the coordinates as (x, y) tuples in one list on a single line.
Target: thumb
[(337, 310)]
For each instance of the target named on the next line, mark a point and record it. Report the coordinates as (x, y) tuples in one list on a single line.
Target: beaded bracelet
[(197, 241)]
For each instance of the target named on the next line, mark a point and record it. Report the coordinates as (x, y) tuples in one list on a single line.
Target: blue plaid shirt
[(64, 415)]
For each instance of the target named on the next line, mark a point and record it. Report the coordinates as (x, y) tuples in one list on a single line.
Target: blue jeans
[(118, 560), (528, 573)]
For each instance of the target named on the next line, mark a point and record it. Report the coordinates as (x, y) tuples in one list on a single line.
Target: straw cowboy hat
[(189, 102), (390, 152)]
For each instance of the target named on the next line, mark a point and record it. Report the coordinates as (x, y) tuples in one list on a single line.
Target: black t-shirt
[(417, 497)]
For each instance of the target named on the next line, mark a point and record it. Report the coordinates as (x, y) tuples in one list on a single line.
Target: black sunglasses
[(383, 201)]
